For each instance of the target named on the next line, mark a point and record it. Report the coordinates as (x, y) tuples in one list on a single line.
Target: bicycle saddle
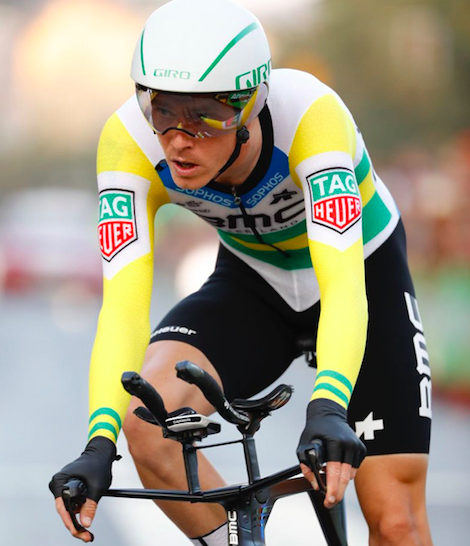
[(272, 401)]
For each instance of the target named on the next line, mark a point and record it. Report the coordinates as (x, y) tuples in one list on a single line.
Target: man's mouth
[(185, 164), (185, 167)]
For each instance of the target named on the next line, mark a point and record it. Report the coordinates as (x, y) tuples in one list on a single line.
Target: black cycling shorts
[(248, 333)]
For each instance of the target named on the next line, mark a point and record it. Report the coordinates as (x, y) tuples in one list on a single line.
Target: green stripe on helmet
[(227, 48), (142, 52)]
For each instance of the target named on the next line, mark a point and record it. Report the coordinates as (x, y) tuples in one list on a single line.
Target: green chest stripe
[(276, 236), (298, 259), (375, 218), (363, 168)]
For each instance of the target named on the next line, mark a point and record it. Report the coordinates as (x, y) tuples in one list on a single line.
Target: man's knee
[(391, 491), (395, 528)]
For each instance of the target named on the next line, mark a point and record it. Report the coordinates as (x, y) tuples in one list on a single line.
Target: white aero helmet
[(194, 51)]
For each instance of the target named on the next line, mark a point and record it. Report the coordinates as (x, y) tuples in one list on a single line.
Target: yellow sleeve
[(130, 194), (321, 162)]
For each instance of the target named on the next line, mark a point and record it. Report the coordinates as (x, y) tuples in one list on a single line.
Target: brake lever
[(318, 464), (74, 497)]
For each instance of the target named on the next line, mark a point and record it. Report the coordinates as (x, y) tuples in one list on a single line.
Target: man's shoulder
[(290, 88), (128, 129), (293, 78), (291, 94)]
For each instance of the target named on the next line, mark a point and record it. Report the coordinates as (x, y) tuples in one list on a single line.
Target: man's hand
[(343, 451), (87, 513), (93, 468)]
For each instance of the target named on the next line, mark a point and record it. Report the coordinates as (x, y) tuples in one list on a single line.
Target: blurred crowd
[(432, 191)]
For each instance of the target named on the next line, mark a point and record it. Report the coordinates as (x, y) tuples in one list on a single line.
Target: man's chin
[(189, 182)]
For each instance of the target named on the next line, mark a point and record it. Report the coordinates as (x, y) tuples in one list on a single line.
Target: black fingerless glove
[(93, 468), (327, 421)]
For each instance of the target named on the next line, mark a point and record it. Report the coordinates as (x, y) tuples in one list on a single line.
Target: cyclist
[(274, 161)]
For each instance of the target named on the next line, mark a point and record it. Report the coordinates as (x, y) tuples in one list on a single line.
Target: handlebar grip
[(74, 496), (193, 374), (138, 386), (317, 462)]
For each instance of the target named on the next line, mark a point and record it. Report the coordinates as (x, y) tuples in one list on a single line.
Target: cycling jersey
[(305, 219)]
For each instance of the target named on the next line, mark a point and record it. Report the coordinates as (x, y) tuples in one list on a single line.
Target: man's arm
[(321, 161), (130, 195)]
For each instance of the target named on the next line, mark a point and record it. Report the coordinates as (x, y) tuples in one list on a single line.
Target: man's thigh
[(233, 322), (159, 370)]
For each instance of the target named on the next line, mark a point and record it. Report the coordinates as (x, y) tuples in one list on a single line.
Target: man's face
[(194, 162)]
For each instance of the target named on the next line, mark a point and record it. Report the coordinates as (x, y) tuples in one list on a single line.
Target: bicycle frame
[(249, 506)]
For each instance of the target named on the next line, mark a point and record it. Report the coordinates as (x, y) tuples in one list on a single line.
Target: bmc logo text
[(232, 528), (336, 203), (253, 77), (252, 221), (168, 73), (116, 227), (422, 357)]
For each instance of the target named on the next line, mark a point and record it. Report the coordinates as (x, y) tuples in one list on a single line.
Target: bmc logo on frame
[(232, 527), (335, 199), (117, 227)]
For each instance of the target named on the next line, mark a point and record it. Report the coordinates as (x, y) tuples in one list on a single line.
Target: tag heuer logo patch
[(336, 203), (116, 227)]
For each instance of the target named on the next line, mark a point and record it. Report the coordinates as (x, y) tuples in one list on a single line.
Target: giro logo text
[(253, 77), (168, 73)]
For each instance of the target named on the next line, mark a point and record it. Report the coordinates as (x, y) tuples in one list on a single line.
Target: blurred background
[(402, 68)]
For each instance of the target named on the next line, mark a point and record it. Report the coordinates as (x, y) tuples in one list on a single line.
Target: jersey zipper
[(250, 223)]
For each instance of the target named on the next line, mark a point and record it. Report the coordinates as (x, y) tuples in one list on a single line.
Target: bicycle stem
[(251, 458), (191, 468)]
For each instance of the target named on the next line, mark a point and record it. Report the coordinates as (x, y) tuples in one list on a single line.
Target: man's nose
[(180, 140)]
